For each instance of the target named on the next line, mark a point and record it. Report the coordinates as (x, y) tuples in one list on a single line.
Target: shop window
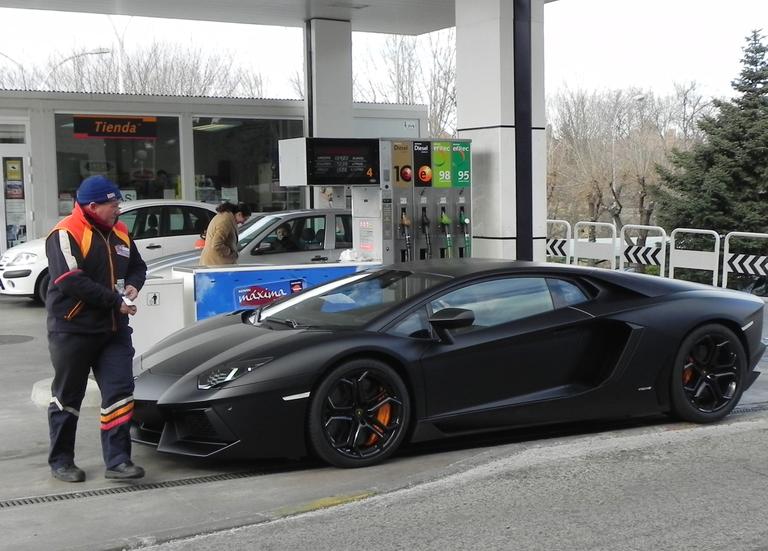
[(12, 133), (139, 153), (237, 160)]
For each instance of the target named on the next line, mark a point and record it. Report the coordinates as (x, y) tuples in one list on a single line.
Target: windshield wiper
[(293, 324)]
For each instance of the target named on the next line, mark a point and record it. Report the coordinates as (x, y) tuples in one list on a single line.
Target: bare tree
[(158, 68), (605, 146), (413, 70)]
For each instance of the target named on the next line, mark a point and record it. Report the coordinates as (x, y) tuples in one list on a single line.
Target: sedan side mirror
[(264, 246), (450, 318)]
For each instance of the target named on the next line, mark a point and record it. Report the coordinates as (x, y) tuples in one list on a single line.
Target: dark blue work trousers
[(74, 355)]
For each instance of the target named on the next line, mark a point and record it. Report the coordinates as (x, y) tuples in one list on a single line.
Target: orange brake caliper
[(382, 416), (688, 373)]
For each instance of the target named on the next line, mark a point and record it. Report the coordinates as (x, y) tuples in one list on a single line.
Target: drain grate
[(36, 500), (753, 408)]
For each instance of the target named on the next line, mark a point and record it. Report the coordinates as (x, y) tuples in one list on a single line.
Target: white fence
[(685, 248)]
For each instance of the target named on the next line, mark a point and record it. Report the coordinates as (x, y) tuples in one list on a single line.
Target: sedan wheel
[(707, 379), (41, 289), (359, 414)]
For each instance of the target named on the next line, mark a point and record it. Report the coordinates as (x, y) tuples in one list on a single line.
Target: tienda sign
[(116, 128)]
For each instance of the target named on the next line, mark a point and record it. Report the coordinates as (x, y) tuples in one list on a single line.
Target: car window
[(298, 234), (252, 228), (499, 301), (178, 221), (129, 219), (312, 235), (198, 219), (356, 303), (147, 224), (343, 231), (415, 325), (565, 293)]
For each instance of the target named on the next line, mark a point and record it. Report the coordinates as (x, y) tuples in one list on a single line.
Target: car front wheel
[(41, 289), (359, 414), (708, 376)]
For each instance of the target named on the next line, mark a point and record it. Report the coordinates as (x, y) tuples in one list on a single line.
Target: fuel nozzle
[(445, 220)]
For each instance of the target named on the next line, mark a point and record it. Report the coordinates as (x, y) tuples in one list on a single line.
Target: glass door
[(14, 176)]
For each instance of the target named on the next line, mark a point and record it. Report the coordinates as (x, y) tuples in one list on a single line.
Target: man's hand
[(125, 309), (131, 292)]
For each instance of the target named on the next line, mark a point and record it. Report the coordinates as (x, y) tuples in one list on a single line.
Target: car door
[(308, 239), (340, 238), (520, 348), (168, 229)]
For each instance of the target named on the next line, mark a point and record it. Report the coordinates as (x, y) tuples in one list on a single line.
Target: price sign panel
[(461, 164), (342, 162), (441, 164)]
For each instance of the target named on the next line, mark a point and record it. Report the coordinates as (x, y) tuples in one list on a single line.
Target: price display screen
[(342, 162)]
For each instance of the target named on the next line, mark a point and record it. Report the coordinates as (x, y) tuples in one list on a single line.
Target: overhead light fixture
[(348, 5), (216, 126)]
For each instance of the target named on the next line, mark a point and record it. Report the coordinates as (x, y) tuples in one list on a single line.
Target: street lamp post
[(98, 51)]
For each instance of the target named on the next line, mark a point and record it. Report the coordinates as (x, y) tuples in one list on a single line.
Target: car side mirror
[(450, 318), (264, 246)]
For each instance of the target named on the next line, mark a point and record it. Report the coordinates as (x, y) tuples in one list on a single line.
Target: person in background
[(284, 241), (242, 214), (96, 272), (221, 236)]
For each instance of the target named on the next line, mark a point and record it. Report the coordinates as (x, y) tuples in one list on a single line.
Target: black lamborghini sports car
[(352, 369)]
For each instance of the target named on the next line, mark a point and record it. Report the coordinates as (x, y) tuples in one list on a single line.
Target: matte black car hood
[(222, 338)]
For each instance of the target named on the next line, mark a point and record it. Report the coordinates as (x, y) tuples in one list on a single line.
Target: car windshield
[(252, 228), (351, 304)]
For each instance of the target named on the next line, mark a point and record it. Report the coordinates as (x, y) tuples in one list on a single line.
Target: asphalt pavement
[(179, 496)]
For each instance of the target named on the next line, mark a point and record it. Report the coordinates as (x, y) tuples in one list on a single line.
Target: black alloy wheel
[(359, 414), (707, 379)]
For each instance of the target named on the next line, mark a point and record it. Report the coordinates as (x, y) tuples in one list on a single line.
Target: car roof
[(139, 203), (306, 211)]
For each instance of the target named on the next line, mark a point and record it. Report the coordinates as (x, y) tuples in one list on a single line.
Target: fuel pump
[(410, 198)]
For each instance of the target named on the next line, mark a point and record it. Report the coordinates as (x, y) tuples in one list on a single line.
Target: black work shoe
[(69, 473), (124, 471)]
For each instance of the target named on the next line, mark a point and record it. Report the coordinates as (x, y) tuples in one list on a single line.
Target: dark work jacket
[(85, 263)]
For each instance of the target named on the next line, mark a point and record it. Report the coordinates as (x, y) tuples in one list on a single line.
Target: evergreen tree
[(722, 183)]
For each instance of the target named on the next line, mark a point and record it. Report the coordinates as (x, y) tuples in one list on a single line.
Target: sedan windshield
[(353, 304)]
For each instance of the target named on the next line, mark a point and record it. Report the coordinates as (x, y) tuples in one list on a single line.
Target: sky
[(589, 44)]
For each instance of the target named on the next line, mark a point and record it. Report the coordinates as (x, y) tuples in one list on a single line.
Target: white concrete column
[(328, 78), (485, 87)]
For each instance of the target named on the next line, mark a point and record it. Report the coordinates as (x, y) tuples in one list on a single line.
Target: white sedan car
[(159, 227)]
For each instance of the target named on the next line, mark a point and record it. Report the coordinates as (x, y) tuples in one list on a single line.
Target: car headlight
[(217, 376), (22, 259)]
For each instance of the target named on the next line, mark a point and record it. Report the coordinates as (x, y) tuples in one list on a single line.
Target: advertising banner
[(115, 127), (218, 291), (13, 177)]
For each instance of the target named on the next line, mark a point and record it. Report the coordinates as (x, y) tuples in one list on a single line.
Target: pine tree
[(722, 184)]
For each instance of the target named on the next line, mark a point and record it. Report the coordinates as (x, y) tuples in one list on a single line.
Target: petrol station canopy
[(384, 16)]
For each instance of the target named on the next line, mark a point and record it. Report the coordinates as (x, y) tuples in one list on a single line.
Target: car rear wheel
[(41, 289), (359, 414), (708, 376)]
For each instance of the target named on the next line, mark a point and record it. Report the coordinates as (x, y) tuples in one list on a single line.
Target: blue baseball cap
[(98, 189)]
